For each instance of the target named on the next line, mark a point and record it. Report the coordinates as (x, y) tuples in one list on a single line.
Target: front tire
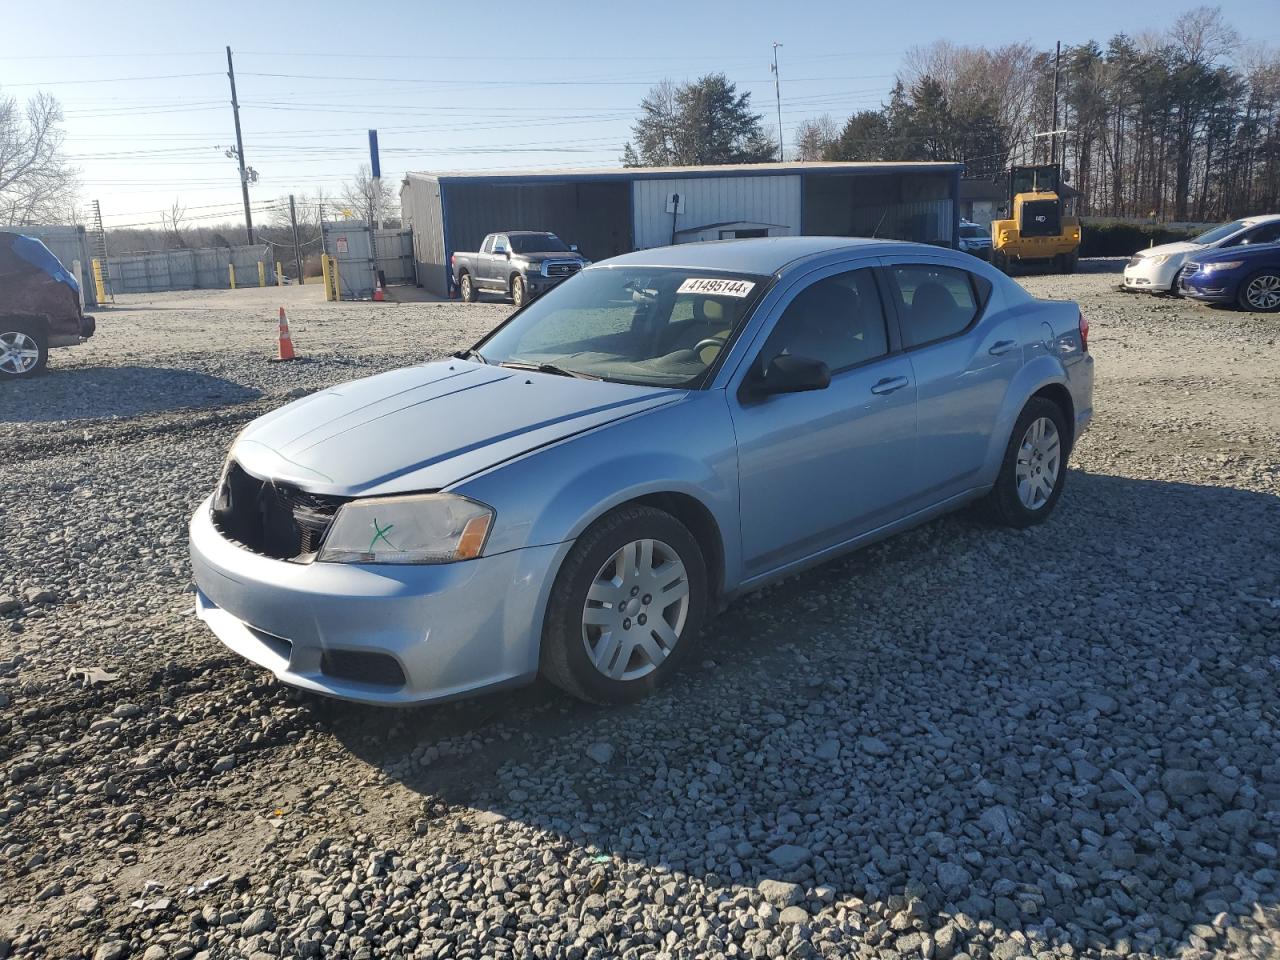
[(625, 608), (24, 349), (517, 291), (1260, 293), (1034, 468)]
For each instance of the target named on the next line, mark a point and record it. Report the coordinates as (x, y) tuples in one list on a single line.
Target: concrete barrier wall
[(198, 269)]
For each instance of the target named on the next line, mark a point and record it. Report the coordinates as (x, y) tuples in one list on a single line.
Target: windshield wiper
[(471, 353), (548, 368)]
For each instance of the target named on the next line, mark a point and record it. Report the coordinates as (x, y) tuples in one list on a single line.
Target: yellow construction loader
[(1040, 229)]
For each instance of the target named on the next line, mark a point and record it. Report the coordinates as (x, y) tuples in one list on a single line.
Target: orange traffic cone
[(286, 341), (378, 295)]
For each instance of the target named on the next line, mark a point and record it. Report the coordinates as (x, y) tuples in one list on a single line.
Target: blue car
[(1248, 276), (622, 457)]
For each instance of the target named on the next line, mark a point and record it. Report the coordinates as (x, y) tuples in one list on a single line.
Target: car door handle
[(890, 384), (1001, 347)]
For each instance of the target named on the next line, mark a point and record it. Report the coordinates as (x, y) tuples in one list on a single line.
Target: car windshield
[(649, 325), (972, 232), (538, 243), (1220, 232)]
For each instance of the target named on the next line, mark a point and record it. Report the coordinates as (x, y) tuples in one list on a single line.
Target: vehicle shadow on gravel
[(77, 393), (1068, 732)]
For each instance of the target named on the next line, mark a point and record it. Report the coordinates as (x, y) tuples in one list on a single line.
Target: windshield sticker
[(715, 287)]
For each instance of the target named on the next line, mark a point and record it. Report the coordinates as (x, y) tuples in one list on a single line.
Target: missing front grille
[(274, 519)]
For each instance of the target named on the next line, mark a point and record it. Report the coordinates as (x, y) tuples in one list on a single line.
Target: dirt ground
[(963, 742)]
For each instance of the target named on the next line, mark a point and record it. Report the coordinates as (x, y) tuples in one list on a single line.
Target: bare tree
[(357, 196), (1202, 36), (172, 223), (36, 184), (814, 138)]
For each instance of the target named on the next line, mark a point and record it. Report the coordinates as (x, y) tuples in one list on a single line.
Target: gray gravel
[(963, 742)]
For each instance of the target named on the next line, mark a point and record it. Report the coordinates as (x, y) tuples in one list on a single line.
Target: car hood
[(1170, 249), (538, 257), (429, 426), (1261, 251)]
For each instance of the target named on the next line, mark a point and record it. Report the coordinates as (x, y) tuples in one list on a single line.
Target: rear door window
[(934, 302)]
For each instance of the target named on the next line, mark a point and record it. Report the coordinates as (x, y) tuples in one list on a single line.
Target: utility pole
[(244, 175), (1053, 137), (297, 248), (777, 95)]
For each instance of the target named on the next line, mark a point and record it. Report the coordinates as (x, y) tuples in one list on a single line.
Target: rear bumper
[(344, 629)]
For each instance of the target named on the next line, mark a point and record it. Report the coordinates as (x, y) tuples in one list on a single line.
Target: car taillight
[(1084, 332), (453, 259)]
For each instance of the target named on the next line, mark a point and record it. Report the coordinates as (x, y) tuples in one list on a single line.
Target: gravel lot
[(963, 742)]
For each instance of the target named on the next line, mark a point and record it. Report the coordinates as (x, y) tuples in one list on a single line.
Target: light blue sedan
[(624, 456)]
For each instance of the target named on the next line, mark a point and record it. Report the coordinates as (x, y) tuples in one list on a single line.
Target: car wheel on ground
[(1034, 468), (517, 290), (1260, 292), (625, 608), (467, 289), (24, 349)]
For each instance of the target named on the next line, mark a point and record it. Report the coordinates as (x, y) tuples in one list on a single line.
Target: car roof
[(1262, 218), (526, 233), (761, 255)]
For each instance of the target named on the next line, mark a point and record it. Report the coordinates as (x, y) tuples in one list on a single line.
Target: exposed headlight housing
[(1225, 265), (420, 528), (1156, 259)]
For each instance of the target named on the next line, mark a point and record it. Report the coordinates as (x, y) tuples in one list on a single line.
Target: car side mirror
[(788, 374), (573, 247)]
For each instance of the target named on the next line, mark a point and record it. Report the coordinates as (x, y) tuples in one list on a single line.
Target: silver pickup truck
[(519, 264)]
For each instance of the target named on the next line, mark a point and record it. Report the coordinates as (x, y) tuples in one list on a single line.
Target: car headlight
[(421, 528), (1226, 265), (1156, 260)]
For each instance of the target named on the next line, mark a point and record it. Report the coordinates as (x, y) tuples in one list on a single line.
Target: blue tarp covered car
[(39, 306)]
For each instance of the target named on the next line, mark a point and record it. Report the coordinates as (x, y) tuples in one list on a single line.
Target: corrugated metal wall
[(204, 268), (705, 200), (421, 212), (68, 244)]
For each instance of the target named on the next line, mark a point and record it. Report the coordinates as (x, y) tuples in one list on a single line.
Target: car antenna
[(879, 223)]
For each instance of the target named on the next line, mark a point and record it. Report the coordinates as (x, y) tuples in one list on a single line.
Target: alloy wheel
[(1263, 293), (19, 353), (1039, 463), (635, 610)]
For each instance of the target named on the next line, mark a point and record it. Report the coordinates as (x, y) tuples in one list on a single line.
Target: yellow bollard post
[(279, 275), (262, 274), (324, 274), (231, 271), (337, 280), (98, 285)]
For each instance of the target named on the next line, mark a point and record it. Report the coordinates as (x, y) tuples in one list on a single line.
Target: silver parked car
[(625, 455)]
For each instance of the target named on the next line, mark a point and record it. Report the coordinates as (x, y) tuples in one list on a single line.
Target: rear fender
[(1038, 373)]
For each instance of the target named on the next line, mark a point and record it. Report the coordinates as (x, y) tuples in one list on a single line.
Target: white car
[(1156, 269)]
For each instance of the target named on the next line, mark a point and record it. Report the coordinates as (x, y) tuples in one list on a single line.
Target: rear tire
[(467, 288), (1034, 468), (1260, 292), (622, 615), (24, 348)]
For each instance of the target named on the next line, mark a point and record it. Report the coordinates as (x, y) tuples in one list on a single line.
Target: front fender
[(1038, 373), (553, 494)]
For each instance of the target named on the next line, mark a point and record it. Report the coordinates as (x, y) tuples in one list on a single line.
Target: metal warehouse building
[(613, 211)]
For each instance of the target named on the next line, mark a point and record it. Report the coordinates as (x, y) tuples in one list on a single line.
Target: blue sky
[(457, 86)]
